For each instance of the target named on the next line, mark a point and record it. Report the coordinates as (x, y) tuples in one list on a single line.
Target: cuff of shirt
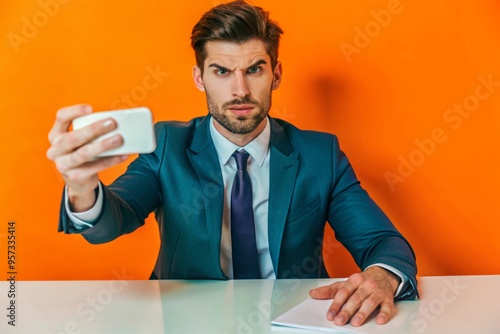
[(393, 270), (86, 219)]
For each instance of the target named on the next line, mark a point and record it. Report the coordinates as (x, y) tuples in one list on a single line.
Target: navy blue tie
[(245, 262)]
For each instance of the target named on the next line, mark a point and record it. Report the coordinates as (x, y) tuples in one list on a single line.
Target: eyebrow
[(219, 67)]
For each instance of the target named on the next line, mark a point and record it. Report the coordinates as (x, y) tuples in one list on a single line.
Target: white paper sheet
[(311, 314)]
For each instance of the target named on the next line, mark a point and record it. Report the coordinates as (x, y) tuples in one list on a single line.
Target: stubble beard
[(242, 124)]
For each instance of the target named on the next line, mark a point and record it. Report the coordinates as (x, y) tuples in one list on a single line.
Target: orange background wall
[(388, 92)]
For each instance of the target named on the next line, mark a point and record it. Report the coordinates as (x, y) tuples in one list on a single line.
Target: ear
[(198, 80), (278, 75)]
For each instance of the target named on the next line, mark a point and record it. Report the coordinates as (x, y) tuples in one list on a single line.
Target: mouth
[(241, 110)]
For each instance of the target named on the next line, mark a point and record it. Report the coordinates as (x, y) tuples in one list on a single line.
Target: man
[(237, 194)]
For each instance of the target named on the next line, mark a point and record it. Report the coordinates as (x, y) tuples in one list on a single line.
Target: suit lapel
[(283, 172), (284, 166), (203, 157)]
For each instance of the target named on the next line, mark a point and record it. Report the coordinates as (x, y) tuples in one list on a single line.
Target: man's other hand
[(358, 296)]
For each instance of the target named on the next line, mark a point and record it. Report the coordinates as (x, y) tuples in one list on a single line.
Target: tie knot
[(241, 158)]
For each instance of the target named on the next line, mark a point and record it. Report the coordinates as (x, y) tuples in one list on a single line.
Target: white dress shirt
[(258, 170)]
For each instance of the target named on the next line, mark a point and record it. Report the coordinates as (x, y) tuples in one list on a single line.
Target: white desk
[(452, 304)]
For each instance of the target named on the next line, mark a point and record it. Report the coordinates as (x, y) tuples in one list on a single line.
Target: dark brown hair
[(236, 22)]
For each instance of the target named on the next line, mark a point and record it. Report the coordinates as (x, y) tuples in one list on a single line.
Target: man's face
[(238, 80)]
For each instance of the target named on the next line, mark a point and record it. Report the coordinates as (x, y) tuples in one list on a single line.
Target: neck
[(240, 139)]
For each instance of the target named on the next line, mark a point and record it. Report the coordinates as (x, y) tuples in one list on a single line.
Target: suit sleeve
[(362, 227), (127, 201)]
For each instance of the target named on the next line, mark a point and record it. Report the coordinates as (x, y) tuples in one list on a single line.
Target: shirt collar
[(257, 148)]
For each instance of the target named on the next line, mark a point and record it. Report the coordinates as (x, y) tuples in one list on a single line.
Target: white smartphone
[(134, 125)]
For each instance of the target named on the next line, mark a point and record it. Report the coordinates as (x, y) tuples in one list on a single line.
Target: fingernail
[(87, 109), (124, 157), (340, 319), (107, 124), (114, 139), (330, 315), (356, 321)]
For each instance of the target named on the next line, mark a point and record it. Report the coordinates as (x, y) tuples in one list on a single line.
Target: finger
[(360, 313), (82, 174), (385, 313), (64, 117), (325, 292), (349, 308), (87, 153), (69, 142), (342, 296)]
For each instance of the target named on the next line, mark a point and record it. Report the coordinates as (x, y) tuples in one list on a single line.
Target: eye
[(254, 69), (221, 71)]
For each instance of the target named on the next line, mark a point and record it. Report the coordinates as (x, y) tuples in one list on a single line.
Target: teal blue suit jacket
[(311, 182)]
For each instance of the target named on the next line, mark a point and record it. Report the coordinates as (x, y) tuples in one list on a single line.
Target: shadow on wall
[(346, 107)]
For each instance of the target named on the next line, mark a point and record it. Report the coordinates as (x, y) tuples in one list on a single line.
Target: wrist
[(81, 201), (393, 279)]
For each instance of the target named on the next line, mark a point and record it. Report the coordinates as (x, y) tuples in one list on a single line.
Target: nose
[(240, 85)]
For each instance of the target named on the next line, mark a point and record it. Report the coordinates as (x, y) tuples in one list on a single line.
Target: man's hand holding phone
[(79, 155)]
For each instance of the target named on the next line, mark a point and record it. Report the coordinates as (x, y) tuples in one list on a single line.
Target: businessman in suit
[(237, 193)]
